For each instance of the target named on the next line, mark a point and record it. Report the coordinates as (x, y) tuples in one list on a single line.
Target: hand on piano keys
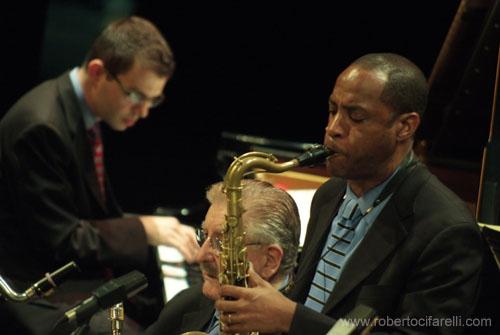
[(168, 230), (177, 274)]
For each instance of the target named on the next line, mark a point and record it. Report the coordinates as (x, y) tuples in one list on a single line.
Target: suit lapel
[(84, 154), (385, 234)]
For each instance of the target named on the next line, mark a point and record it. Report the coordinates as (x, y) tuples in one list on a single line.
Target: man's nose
[(335, 127), (142, 109), (205, 253)]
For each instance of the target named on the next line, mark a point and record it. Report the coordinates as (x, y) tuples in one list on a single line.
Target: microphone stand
[(82, 330), (117, 317), (110, 296)]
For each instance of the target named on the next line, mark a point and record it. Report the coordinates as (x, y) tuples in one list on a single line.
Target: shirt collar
[(88, 117), (282, 285), (366, 201)]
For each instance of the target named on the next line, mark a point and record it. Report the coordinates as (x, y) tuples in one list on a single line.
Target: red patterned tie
[(98, 151)]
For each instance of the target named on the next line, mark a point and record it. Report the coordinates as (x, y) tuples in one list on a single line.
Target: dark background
[(260, 68)]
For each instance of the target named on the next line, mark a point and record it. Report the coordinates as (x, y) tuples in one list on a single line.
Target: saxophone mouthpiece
[(314, 155)]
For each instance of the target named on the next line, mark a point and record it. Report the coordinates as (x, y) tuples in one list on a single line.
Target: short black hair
[(406, 89)]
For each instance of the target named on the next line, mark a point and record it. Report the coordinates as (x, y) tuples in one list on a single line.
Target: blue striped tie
[(333, 257), (213, 327)]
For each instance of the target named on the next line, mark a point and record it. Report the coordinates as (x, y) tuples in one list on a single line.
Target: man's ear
[(274, 255), (95, 69), (407, 125)]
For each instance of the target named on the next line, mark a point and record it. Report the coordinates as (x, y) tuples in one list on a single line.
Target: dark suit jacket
[(188, 311), (50, 209), (421, 257)]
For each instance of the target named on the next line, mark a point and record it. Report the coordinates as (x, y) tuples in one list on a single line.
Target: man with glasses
[(56, 203), (272, 227)]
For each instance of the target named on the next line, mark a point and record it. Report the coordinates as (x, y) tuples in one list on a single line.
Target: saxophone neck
[(268, 162), (253, 161)]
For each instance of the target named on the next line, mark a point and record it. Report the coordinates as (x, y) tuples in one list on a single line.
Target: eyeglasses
[(215, 241), (137, 97)]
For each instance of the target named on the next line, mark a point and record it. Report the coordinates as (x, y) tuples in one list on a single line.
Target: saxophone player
[(272, 231), (383, 232)]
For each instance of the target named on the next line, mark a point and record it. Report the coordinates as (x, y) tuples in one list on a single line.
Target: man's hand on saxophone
[(261, 304)]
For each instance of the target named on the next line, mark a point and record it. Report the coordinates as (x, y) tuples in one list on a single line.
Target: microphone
[(358, 321), (105, 296)]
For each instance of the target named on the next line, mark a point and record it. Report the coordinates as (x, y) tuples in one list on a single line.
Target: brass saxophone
[(233, 261)]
